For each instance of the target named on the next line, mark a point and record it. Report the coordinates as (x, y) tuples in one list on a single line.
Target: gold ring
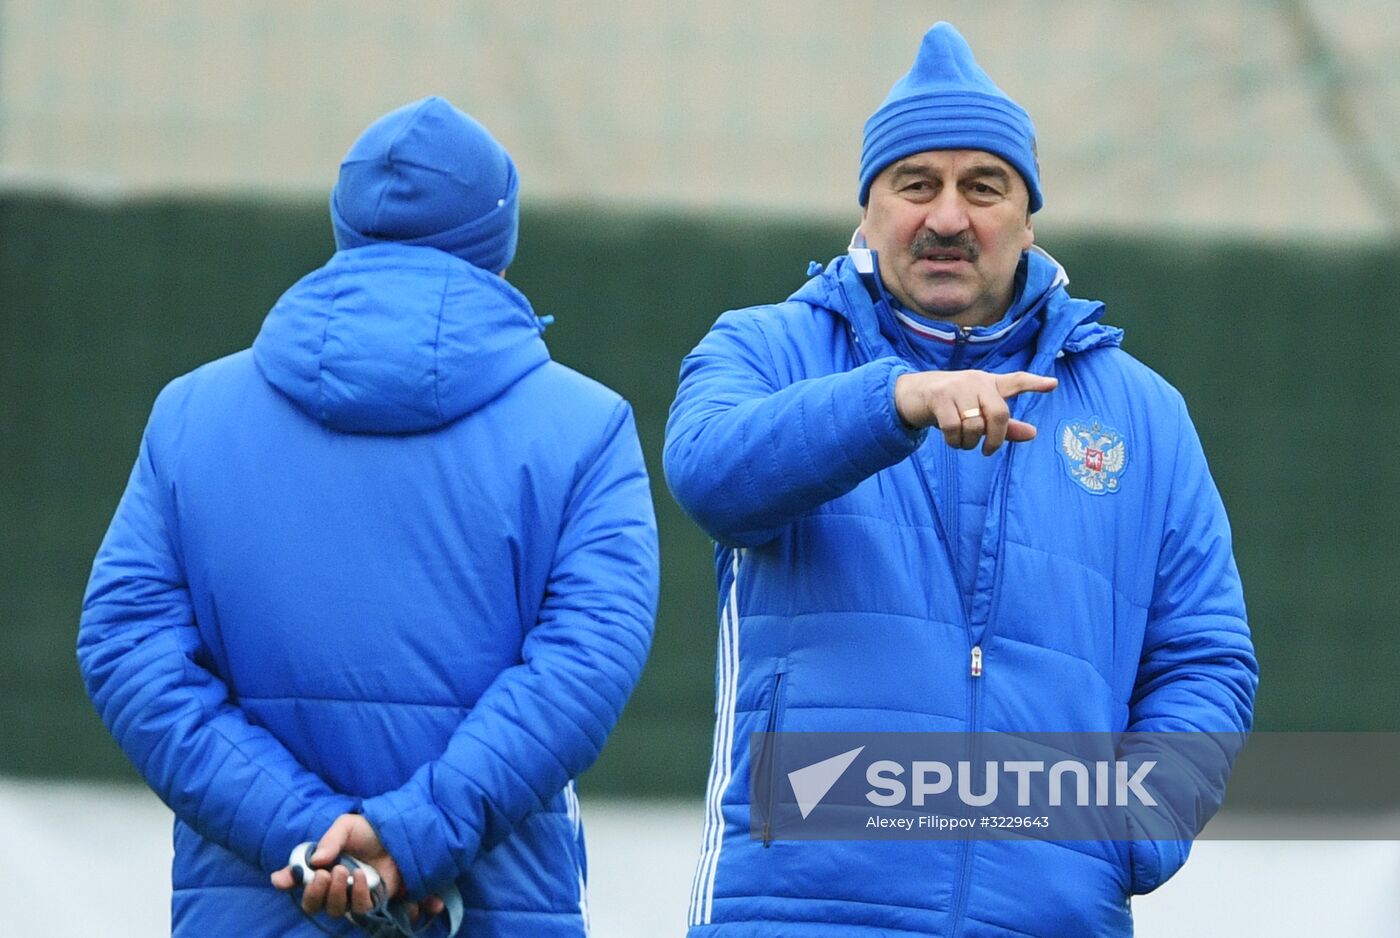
[(971, 412)]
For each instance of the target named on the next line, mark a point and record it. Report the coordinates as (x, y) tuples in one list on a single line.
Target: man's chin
[(942, 306)]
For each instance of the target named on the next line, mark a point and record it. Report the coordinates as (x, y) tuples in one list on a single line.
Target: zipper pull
[(976, 660), (960, 338)]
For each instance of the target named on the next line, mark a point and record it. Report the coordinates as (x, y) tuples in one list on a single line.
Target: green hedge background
[(1285, 351)]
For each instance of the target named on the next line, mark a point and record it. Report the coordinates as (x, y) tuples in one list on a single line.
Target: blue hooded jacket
[(395, 560), (1100, 594)]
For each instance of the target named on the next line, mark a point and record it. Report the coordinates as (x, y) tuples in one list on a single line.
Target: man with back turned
[(384, 580)]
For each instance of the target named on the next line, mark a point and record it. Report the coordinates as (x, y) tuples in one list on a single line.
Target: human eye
[(916, 189), (985, 191)]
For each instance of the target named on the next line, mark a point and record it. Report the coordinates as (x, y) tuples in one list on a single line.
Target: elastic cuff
[(415, 846), (887, 426)]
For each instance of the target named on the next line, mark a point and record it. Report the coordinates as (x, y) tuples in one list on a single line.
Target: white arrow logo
[(811, 783)]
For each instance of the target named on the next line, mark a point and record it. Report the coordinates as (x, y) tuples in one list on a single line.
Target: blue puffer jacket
[(392, 559), (1104, 597)]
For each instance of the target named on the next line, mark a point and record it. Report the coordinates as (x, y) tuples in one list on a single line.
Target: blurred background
[(1224, 174)]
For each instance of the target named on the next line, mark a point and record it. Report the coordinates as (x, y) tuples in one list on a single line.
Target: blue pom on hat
[(946, 102), (427, 174)]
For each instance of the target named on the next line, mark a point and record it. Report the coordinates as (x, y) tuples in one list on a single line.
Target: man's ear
[(1029, 237)]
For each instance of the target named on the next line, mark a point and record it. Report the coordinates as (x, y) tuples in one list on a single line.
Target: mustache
[(929, 241)]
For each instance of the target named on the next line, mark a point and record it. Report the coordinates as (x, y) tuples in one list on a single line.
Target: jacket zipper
[(950, 546), (965, 862), (966, 594), (770, 754), (959, 347), (977, 671), (950, 465)]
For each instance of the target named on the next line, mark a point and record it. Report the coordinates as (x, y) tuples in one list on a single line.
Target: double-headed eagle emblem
[(1094, 454)]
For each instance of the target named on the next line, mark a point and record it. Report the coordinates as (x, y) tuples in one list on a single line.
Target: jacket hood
[(394, 338), (1069, 325)]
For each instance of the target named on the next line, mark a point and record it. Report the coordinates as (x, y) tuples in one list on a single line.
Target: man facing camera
[(946, 501)]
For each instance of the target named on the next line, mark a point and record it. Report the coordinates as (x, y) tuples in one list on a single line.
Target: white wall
[(1279, 118)]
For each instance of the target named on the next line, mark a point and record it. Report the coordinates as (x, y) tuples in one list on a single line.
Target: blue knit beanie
[(947, 102), (427, 174)]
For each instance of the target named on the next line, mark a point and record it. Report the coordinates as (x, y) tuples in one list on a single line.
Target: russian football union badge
[(1095, 455)]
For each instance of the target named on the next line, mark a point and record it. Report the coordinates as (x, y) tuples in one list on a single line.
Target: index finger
[(1009, 385)]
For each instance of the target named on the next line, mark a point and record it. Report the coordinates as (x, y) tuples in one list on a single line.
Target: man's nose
[(947, 214)]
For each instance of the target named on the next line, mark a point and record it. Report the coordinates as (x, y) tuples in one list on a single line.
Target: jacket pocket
[(766, 771)]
